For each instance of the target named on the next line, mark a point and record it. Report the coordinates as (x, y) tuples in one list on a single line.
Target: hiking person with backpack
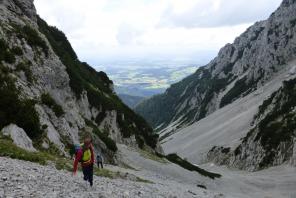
[(100, 161), (84, 153)]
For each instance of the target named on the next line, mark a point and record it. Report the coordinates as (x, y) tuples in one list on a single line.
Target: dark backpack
[(99, 158), (74, 149)]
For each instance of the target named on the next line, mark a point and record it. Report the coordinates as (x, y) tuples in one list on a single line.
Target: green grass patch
[(64, 164), (105, 173), (174, 158), (144, 180), (118, 175), (152, 156), (8, 149), (126, 166)]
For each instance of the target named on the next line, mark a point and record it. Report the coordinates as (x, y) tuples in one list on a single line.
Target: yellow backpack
[(86, 156)]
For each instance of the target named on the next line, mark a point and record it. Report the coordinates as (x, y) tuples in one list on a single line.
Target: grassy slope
[(8, 149)]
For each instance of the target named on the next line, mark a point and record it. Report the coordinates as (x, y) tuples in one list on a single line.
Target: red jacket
[(78, 158)]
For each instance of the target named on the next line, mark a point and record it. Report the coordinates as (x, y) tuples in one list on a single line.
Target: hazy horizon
[(154, 33)]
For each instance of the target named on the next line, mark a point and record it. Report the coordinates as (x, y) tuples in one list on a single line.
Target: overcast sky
[(105, 31)]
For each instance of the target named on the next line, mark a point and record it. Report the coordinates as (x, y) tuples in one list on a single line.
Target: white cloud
[(108, 30), (216, 13), (127, 34)]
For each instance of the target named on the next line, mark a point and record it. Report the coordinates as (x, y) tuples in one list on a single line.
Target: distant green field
[(145, 81)]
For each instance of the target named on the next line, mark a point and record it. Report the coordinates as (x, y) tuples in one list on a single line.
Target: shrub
[(225, 150), (140, 142), (9, 57), (265, 104), (228, 68), (111, 145), (22, 112), (3, 49), (25, 67), (17, 51), (50, 102), (241, 87), (32, 37), (174, 158), (100, 117), (5, 53), (214, 86), (28, 119), (4, 70), (293, 22)]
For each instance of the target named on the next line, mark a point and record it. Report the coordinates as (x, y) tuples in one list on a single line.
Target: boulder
[(19, 137)]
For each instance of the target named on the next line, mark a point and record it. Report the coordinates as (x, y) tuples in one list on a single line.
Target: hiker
[(85, 155), (99, 161)]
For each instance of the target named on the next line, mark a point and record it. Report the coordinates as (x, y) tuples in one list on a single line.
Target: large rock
[(19, 137)]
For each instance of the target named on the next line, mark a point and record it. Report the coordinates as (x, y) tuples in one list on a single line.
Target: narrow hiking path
[(25, 179)]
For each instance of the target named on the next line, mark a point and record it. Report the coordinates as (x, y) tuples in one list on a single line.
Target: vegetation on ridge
[(51, 103), (174, 158), (8, 149), (278, 125), (202, 86), (22, 112), (98, 88), (103, 136)]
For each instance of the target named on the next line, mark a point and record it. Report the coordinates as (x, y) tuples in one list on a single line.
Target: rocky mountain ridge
[(240, 68), (58, 99), (236, 82), (271, 140)]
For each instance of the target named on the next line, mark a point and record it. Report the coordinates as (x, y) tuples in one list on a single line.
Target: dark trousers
[(100, 163), (88, 173)]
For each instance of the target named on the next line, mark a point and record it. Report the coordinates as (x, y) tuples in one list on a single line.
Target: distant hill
[(146, 81), (129, 100), (137, 90)]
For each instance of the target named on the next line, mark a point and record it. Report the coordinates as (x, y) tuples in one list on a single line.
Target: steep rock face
[(57, 98), (240, 68), (271, 141), (21, 8)]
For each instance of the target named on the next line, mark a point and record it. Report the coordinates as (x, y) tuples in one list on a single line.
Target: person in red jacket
[(85, 155)]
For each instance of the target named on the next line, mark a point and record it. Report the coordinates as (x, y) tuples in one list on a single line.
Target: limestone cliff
[(54, 97)]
